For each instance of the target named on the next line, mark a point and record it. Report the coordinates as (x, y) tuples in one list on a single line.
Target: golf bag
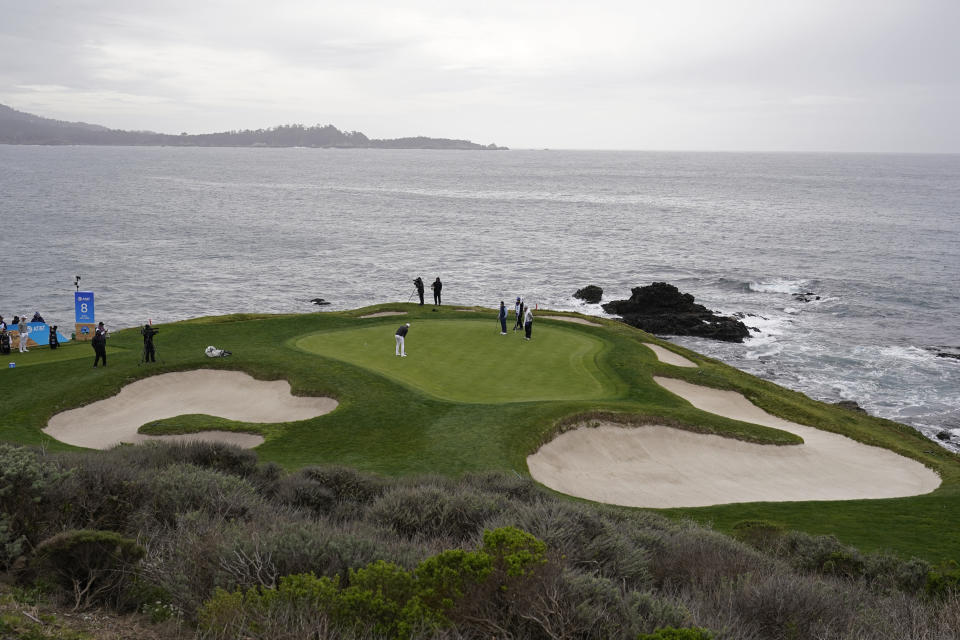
[(213, 352), (4, 343)]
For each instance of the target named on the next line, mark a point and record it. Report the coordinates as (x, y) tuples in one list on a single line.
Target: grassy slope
[(387, 423)]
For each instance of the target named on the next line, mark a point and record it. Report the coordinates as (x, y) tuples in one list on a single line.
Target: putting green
[(469, 361)]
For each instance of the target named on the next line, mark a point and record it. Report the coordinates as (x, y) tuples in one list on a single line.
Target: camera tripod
[(143, 356)]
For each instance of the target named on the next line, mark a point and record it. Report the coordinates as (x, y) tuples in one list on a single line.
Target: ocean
[(172, 233)]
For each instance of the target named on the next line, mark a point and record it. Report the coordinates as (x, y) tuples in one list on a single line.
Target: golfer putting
[(400, 335)]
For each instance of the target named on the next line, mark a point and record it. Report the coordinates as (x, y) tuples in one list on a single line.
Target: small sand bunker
[(380, 314), (669, 357), (233, 395), (662, 467), (572, 319)]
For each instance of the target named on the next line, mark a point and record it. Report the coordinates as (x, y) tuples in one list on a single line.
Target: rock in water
[(944, 435), (590, 293), (319, 302), (661, 308)]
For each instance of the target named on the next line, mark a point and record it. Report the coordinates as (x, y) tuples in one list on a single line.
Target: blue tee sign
[(83, 302)]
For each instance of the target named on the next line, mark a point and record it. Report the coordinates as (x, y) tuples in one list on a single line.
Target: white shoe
[(403, 355)]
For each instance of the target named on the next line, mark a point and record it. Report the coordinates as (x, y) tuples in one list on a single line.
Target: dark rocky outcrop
[(320, 302), (590, 293), (662, 309), (944, 435), (850, 405)]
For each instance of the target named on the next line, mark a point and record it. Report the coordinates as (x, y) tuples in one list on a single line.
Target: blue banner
[(83, 304), (39, 333)]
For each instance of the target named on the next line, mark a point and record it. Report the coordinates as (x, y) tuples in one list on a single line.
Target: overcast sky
[(804, 75)]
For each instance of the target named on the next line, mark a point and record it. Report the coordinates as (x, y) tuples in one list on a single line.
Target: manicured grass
[(468, 360), (468, 399)]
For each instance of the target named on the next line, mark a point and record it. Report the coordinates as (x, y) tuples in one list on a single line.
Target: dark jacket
[(402, 331)]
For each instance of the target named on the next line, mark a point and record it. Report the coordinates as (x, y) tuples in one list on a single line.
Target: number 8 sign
[(83, 304)]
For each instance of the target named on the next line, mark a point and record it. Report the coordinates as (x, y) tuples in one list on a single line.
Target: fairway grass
[(470, 361)]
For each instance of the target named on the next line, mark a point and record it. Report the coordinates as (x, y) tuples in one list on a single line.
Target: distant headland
[(17, 127)]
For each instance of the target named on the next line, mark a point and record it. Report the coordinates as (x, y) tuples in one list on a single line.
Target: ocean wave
[(778, 285)]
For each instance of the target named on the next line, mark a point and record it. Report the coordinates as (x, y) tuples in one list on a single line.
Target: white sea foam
[(778, 285)]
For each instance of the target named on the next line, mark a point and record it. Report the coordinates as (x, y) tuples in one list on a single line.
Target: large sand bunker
[(233, 395), (656, 466)]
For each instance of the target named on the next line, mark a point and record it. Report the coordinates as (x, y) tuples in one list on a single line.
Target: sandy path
[(669, 357), (233, 395), (657, 466)]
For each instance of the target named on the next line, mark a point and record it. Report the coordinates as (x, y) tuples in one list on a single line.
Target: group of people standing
[(437, 287), (23, 332), (524, 315)]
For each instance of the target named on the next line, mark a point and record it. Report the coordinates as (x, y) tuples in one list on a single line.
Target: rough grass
[(391, 426)]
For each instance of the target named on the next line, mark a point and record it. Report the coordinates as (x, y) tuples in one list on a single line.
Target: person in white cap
[(400, 335), (24, 336)]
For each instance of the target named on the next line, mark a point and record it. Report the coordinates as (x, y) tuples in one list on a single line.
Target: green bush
[(761, 534), (182, 488), (26, 481), (435, 511), (93, 565), (943, 581), (101, 492), (381, 598)]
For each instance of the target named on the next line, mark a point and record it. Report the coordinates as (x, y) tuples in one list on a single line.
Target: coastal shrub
[(100, 492), (295, 609), (701, 558), (588, 539), (26, 481), (181, 488), (431, 511), (383, 598), (781, 605), (510, 485), (92, 565), (760, 534), (298, 547), (302, 492), (671, 633), (943, 581)]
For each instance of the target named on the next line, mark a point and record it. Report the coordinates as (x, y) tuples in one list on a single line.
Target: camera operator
[(149, 353)]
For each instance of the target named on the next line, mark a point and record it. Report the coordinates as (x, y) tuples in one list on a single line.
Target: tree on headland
[(17, 127)]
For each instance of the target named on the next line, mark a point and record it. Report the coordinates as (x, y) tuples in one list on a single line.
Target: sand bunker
[(669, 357), (380, 314), (656, 466), (233, 395), (572, 319)]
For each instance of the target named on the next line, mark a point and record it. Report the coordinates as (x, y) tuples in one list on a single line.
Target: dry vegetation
[(204, 541)]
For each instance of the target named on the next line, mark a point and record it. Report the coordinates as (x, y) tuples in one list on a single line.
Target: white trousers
[(400, 350), (23, 341)]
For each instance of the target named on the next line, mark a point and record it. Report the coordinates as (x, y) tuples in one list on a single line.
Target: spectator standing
[(502, 317), (518, 311), (99, 343), (437, 286), (24, 335), (528, 323)]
